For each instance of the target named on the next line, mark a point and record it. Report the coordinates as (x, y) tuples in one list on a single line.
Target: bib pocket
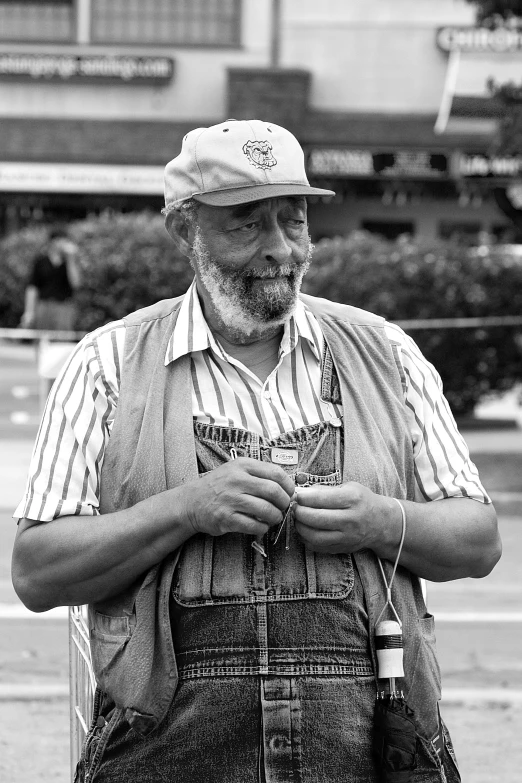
[(226, 569), (220, 570)]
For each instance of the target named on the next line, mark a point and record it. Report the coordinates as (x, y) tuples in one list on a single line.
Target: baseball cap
[(236, 162)]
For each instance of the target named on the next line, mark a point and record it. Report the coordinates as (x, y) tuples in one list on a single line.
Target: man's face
[(250, 260)]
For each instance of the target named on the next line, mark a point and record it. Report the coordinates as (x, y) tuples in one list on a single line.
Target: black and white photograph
[(260, 391)]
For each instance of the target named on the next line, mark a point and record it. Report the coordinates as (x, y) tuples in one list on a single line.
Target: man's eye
[(247, 227)]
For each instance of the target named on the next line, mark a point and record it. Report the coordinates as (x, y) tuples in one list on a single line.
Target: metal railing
[(82, 682), (484, 322), (54, 335)]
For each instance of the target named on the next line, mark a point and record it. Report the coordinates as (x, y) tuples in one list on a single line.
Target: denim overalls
[(275, 676)]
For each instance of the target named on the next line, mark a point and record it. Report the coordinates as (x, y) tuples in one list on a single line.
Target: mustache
[(201, 255), (276, 270)]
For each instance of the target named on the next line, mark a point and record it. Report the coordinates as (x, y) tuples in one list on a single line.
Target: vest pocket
[(424, 676), (109, 635)]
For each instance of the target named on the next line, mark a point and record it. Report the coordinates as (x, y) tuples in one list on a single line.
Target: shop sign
[(101, 68), (480, 166), (418, 163), (339, 162), (479, 39), (81, 178)]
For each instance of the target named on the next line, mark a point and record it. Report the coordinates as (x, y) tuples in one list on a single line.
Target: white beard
[(241, 308)]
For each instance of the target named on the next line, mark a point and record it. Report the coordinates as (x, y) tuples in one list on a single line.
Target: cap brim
[(229, 198)]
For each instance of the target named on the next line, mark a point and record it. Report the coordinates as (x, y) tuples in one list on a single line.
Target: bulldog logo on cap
[(259, 154)]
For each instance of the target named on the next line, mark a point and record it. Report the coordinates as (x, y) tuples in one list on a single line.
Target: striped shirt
[(64, 475)]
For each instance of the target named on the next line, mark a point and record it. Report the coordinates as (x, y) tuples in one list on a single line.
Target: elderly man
[(221, 478)]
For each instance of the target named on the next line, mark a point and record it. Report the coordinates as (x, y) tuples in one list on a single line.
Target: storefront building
[(388, 98)]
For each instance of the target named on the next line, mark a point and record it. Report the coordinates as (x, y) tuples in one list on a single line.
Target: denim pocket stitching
[(329, 479), (103, 738)]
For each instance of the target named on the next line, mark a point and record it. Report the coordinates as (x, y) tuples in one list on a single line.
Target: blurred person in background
[(219, 477), (54, 277)]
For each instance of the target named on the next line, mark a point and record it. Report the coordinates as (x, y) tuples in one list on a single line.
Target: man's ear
[(179, 232)]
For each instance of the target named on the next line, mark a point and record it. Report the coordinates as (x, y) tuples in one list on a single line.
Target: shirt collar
[(192, 333)]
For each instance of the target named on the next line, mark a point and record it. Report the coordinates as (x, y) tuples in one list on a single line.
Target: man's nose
[(276, 246)]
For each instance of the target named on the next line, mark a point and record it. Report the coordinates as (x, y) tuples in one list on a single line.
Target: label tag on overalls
[(284, 456)]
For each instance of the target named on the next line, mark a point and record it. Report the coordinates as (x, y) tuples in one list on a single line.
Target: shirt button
[(266, 394), (301, 478)]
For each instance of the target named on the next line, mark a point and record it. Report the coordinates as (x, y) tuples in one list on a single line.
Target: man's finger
[(338, 497), (266, 470), (320, 519), (249, 526), (315, 537), (264, 511)]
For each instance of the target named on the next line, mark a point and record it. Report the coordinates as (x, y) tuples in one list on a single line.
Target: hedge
[(129, 261), (421, 279)]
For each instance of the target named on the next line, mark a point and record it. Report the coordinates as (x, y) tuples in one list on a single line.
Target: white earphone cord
[(389, 601)]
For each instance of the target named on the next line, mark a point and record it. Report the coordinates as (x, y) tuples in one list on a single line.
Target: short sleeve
[(443, 467), (64, 474)]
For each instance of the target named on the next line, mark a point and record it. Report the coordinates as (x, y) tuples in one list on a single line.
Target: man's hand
[(242, 496), (446, 539), (338, 519)]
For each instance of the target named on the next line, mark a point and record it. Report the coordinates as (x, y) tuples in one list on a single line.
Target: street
[(479, 622)]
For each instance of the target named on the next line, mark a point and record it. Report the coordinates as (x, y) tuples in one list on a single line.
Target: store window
[(190, 22), (465, 232), (37, 20), (389, 229)]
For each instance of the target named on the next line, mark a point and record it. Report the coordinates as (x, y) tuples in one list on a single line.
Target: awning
[(465, 87)]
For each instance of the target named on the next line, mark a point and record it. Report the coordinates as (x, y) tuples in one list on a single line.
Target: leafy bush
[(16, 254), (129, 261), (495, 11), (433, 279)]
